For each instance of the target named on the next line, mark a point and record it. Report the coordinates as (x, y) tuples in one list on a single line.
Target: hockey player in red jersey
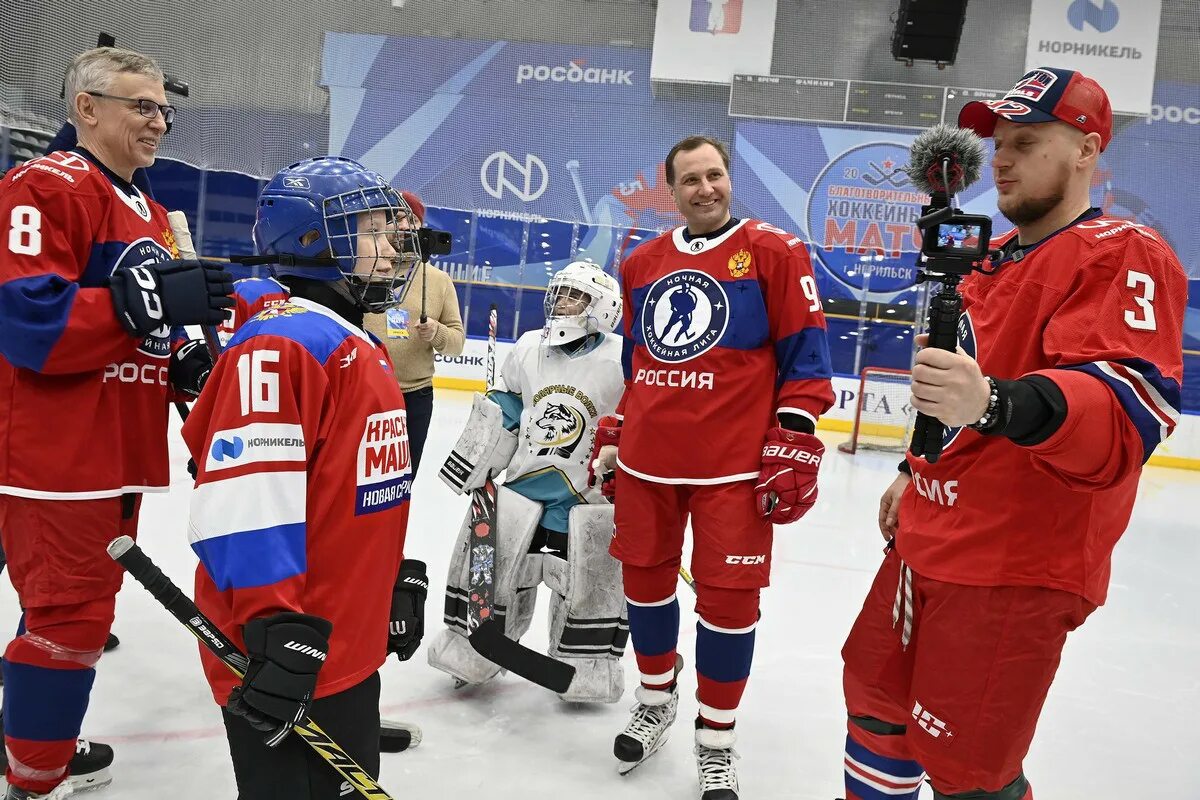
[(723, 333), (89, 285), (1067, 378), (250, 297), (301, 501)]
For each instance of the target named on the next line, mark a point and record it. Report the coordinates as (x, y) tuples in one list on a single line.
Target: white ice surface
[(1122, 721)]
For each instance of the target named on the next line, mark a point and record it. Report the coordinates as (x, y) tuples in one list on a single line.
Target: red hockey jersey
[(83, 405), (250, 296), (1097, 308), (720, 335), (300, 438)]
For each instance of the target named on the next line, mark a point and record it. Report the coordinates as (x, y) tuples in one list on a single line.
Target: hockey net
[(883, 417)]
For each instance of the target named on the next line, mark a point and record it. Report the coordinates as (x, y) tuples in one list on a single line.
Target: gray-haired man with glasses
[(91, 287)]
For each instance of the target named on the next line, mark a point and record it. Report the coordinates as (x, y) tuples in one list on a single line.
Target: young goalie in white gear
[(537, 425)]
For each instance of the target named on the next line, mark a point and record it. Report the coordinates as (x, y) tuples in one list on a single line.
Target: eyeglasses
[(147, 108)]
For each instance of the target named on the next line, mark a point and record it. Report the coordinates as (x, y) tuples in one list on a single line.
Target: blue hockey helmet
[(308, 223)]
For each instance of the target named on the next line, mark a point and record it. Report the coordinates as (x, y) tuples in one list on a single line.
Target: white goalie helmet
[(581, 299)]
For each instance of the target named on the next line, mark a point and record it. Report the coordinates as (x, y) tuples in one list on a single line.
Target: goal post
[(883, 416)]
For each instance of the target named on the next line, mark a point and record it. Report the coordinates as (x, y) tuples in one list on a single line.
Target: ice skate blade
[(626, 767), (93, 780)]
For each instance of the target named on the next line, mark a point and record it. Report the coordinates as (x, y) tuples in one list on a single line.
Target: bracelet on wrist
[(991, 415)]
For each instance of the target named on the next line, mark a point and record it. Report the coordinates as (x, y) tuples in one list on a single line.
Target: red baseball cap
[(1046, 94), (414, 203)]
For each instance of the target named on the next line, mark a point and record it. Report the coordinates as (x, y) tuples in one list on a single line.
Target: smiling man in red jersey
[(726, 372)]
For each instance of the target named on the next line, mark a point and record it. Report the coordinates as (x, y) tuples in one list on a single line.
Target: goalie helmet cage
[(883, 418)]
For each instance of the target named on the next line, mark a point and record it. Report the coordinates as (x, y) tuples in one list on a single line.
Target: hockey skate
[(714, 763), (88, 770), (650, 726), (89, 766)]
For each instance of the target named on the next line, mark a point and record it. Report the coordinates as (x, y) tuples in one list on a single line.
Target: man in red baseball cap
[(1046, 94), (1066, 380)]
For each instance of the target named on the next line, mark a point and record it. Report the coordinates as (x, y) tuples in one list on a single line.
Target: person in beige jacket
[(411, 342)]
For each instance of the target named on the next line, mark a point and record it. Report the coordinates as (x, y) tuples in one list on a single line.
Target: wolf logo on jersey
[(561, 429)]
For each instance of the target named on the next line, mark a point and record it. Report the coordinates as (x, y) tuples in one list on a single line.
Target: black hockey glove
[(407, 621), (286, 652), (171, 293), (190, 366)]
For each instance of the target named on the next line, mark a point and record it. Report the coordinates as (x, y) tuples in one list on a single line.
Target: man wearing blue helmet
[(300, 439)]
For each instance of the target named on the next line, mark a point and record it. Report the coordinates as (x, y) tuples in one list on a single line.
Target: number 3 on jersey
[(1142, 318), (25, 231), (258, 384)]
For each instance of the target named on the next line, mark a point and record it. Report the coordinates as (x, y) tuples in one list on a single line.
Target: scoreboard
[(873, 103)]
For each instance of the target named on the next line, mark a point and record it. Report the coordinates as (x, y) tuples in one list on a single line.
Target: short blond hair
[(96, 70)]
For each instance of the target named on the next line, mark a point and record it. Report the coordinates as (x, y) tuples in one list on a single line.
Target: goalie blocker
[(483, 450)]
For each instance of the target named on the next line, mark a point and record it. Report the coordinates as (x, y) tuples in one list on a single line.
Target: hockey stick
[(482, 552), (126, 552), (688, 579), (485, 634)]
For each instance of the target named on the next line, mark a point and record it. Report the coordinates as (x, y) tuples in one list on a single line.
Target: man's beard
[(1032, 209)]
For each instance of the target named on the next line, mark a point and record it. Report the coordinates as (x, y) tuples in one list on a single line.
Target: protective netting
[(259, 72), (255, 104), (534, 124)]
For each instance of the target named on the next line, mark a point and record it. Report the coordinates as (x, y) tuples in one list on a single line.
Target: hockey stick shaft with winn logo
[(126, 552), (484, 632)]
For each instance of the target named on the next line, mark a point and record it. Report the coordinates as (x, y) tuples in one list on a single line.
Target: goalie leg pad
[(516, 572), (589, 624), (483, 450)]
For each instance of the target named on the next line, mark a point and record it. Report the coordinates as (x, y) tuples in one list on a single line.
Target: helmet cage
[(373, 292), (600, 312)]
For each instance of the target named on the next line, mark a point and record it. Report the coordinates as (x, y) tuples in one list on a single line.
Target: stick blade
[(491, 643)]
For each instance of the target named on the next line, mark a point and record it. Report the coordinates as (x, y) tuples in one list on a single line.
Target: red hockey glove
[(787, 483), (608, 434)]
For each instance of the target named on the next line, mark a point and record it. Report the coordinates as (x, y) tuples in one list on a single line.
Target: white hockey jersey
[(556, 399)]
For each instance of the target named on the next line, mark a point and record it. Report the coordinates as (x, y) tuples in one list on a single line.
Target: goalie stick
[(484, 632), (394, 737), (126, 552)]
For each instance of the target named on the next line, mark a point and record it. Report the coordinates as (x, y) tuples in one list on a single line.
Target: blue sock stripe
[(655, 629), (899, 768), (723, 657), (28, 715)]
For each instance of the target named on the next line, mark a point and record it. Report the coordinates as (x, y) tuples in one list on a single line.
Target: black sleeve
[(796, 422), (1031, 410)]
